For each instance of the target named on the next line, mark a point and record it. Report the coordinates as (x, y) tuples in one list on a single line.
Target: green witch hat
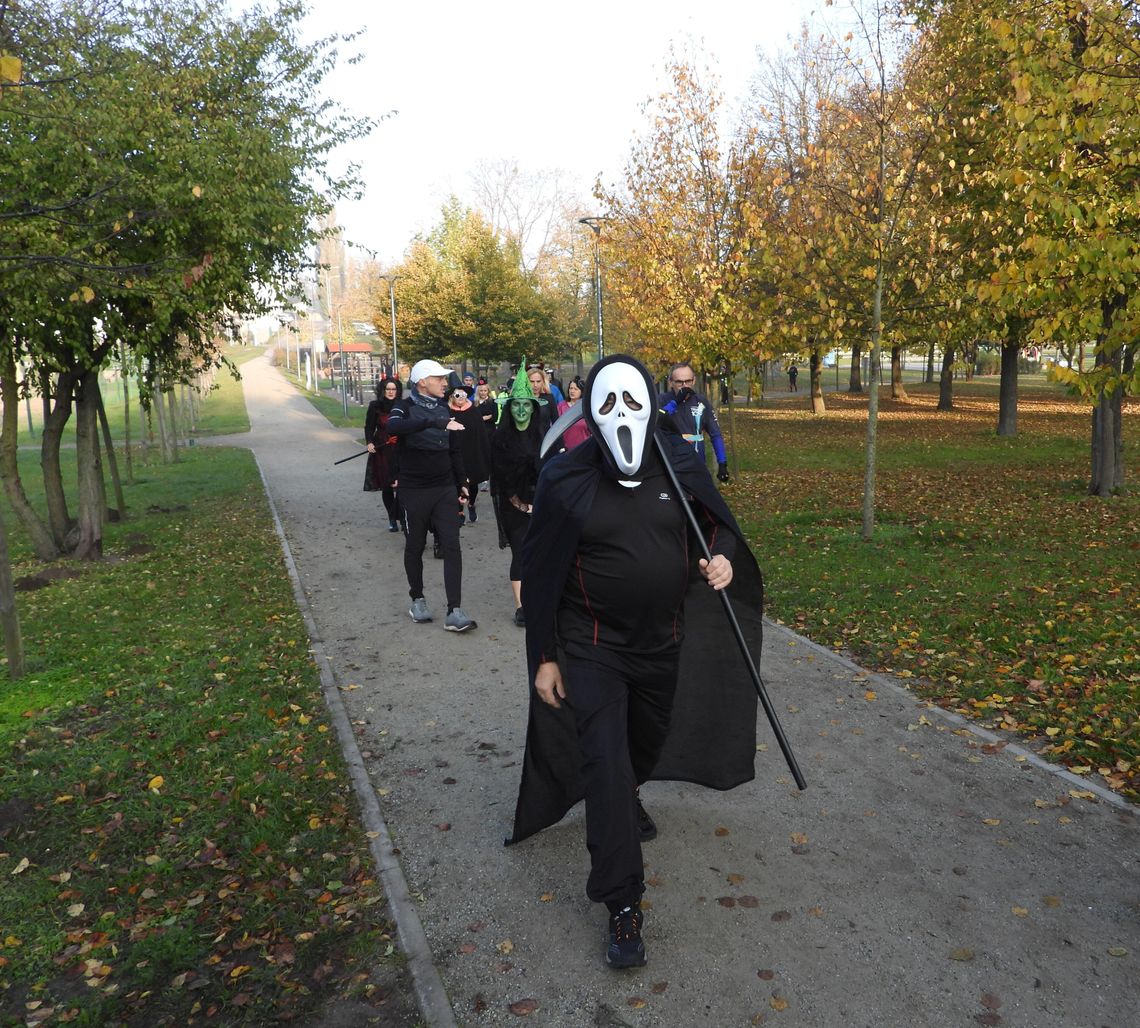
[(521, 388)]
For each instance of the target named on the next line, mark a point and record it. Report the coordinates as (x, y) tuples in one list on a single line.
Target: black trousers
[(515, 524), (435, 509), (391, 503), (622, 710)]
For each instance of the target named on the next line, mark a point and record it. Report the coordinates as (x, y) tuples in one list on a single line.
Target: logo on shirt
[(662, 496)]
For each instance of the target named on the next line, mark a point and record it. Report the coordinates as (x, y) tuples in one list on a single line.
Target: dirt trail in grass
[(922, 879)]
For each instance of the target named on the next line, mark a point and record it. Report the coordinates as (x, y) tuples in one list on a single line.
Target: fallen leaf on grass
[(870, 696), (522, 1007), (156, 783), (22, 866)]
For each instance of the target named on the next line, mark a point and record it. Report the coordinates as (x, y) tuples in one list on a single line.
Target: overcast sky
[(552, 86)]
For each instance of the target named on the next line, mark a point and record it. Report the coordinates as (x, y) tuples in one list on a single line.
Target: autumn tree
[(202, 149), (1073, 108), (462, 294), (672, 248)]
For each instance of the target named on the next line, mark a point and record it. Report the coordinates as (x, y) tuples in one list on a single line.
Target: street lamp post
[(391, 280), (595, 225)]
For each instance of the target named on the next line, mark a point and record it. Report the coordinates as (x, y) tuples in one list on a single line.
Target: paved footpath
[(926, 877)]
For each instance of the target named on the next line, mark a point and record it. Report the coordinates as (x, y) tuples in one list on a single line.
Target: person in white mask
[(622, 688)]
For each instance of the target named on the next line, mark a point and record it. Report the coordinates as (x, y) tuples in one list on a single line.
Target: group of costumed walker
[(634, 673)]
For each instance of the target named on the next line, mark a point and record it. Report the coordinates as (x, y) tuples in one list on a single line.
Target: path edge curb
[(430, 992), (887, 682)]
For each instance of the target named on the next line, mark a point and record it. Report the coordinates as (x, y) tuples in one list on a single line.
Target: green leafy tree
[(462, 295), (1072, 106)]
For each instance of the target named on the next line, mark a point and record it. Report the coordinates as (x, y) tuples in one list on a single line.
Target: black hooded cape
[(712, 738)]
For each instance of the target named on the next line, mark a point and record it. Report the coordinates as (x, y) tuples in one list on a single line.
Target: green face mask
[(521, 411)]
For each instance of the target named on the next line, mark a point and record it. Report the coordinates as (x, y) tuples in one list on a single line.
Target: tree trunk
[(92, 493), (732, 433), (1007, 390), (1107, 440), (946, 380), (109, 446), (158, 418), (872, 411), (898, 390), (58, 415), (9, 616), (172, 425), (816, 376), (38, 532), (928, 377), (855, 380), (127, 420)]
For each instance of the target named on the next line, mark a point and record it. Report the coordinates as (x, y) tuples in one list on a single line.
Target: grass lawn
[(178, 841), (222, 412), (994, 584)]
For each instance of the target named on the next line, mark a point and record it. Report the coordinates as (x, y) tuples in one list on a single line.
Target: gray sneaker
[(419, 612), (457, 621)]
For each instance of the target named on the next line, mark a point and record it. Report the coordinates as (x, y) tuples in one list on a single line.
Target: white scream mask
[(621, 413)]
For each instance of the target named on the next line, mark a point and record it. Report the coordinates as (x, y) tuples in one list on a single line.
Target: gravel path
[(926, 877)]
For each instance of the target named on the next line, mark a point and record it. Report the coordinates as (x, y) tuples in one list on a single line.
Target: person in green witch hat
[(514, 475)]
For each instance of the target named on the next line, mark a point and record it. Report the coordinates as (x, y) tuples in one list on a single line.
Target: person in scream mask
[(514, 476), (631, 661)]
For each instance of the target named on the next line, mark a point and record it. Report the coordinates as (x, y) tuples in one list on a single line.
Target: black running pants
[(434, 508)]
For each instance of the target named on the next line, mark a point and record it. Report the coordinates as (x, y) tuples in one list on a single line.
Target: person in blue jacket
[(693, 416)]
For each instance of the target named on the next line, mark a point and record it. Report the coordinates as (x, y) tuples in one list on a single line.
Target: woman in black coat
[(514, 476), (381, 473)]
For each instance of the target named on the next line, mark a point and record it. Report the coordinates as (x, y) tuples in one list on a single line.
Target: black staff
[(773, 720), (353, 457)]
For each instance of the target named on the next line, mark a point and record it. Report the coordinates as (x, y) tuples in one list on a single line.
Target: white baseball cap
[(424, 368)]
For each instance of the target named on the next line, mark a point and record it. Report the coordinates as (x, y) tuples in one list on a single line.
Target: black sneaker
[(626, 948), (646, 827)]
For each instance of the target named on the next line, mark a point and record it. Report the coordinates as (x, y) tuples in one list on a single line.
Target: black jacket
[(429, 456)]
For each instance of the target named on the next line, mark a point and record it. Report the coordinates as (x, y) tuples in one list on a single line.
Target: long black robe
[(712, 739)]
